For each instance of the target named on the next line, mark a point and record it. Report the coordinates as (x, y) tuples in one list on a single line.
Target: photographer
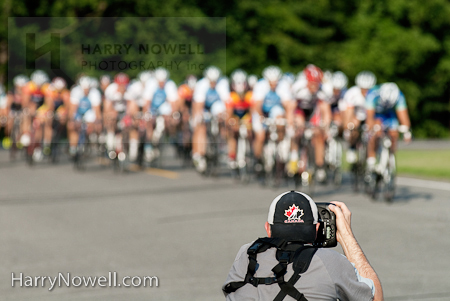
[(287, 265)]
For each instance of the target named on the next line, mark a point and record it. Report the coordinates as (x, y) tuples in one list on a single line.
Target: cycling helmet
[(389, 93), (272, 73), (121, 79), (365, 80), (212, 73), (20, 80), (39, 77), (105, 79), (313, 73), (59, 83), (339, 80), (289, 77), (94, 83), (327, 77), (144, 76), (85, 82), (191, 80), (161, 74), (239, 80), (252, 80), (238, 76)]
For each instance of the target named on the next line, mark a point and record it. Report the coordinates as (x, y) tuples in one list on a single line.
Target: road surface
[(186, 230)]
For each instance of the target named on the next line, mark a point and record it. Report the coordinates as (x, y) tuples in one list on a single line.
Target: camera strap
[(301, 258)]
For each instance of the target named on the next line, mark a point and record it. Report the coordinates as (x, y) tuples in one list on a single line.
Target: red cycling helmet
[(313, 73), (121, 79)]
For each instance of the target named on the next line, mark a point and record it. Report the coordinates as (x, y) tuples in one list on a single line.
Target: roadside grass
[(427, 164), (424, 163)]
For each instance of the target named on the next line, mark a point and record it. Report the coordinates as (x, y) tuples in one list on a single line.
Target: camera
[(326, 236)]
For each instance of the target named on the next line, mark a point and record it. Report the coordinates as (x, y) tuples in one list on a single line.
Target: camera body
[(326, 236)]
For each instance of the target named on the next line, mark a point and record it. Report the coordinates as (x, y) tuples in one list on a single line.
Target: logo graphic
[(33, 53), (294, 214)]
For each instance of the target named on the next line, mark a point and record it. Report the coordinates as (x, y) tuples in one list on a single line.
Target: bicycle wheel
[(389, 181)]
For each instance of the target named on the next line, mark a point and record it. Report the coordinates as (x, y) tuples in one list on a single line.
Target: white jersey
[(77, 93), (202, 88), (170, 89), (354, 98), (262, 88), (135, 93), (118, 99), (305, 99)]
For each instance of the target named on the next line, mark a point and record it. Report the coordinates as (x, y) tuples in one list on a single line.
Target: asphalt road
[(186, 230)]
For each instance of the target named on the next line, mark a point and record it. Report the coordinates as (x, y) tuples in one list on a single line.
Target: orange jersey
[(185, 92), (57, 97), (37, 93), (240, 106)]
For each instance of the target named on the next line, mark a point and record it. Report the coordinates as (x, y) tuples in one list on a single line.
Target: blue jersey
[(271, 100), (84, 106), (373, 102), (211, 97), (158, 98)]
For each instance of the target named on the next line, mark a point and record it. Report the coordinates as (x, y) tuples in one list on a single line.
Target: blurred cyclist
[(160, 96), (185, 95), (312, 107), (115, 107), (34, 98), (238, 111), (272, 98), (252, 79), (354, 104), (210, 95), (134, 96), (85, 105), (336, 89), (386, 108), (14, 105), (59, 102)]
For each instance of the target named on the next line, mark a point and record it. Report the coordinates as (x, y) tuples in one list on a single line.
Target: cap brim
[(295, 232)]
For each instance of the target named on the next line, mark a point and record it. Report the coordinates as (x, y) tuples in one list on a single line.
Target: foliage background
[(406, 41)]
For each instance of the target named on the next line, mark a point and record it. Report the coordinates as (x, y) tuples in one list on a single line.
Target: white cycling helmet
[(212, 73), (85, 82), (252, 80), (20, 80), (161, 74), (389, 93), (238, 76), (94, 83), (239, 80), (365, 80), (339, 80), (144, 76), (39, 77), (272, 73), (59, 83), (105, 79), (327, 77)]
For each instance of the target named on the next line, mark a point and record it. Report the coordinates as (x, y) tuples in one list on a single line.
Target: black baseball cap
[(293, 216)]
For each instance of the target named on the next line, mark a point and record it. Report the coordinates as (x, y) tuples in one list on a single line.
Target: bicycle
[(305, 178), (333, 155), (244, 157), (15, 133), (212, 154), (382, 179), (275, 151)]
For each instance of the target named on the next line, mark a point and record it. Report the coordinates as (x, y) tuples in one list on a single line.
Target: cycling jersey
[(240, 106), (354, 98), (36, 93), (185, 93), (305, 98), (117, 98), (135, 92), (387, 114), (158, 98), (203, 90), (211, 97), (85, 103), (57, 97), (161, 98), (271, 98)]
